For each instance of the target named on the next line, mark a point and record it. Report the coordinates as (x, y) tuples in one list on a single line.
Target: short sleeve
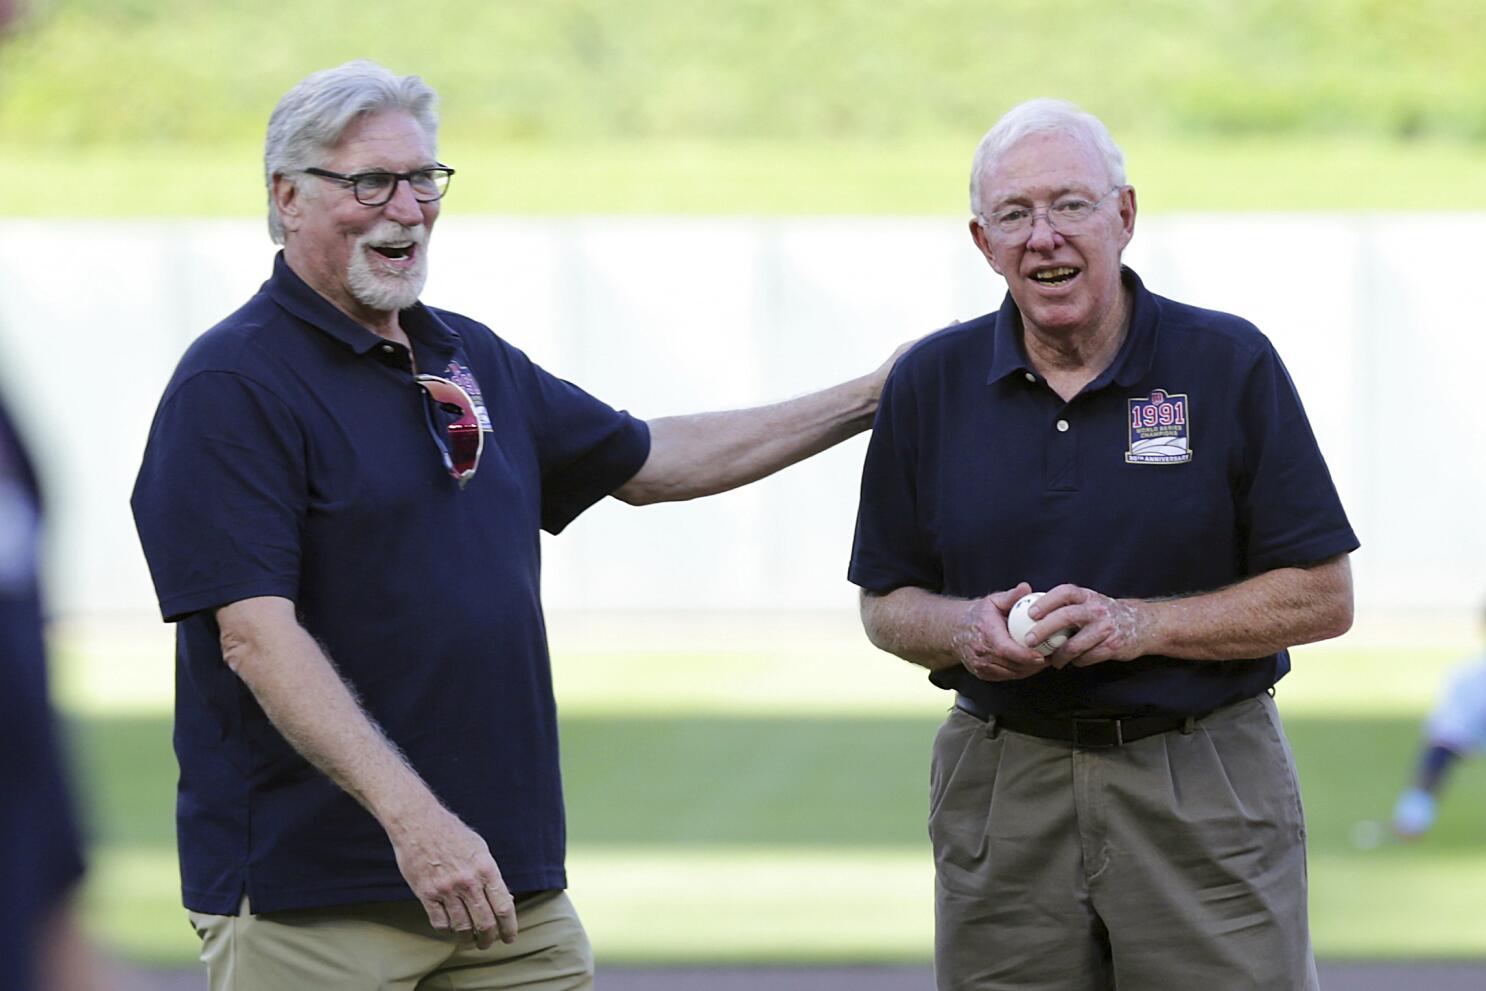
[(586, 449), (1289, 512), (891, 548), (221, 496)]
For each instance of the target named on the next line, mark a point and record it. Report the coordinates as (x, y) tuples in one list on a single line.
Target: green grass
[(770, 178), (729, 815)]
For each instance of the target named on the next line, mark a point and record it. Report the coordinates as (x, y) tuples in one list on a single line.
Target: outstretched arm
[(447, 864), (706, 453)]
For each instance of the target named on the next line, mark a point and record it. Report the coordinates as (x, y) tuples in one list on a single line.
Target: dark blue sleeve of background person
[(40, 849)]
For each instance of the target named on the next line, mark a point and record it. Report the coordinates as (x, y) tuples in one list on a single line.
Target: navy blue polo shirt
[(291, 456), (1187, 465), (40, 852)]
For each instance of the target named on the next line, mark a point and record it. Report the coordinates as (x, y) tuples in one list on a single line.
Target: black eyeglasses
[(455, 427), (377, 188)]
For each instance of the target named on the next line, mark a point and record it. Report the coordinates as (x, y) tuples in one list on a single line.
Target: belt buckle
[(1095, 734)]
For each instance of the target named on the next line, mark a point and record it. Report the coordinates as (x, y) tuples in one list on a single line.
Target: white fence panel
[(669, 315)]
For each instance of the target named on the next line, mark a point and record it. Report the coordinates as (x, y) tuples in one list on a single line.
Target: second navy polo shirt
[(1187, 465)]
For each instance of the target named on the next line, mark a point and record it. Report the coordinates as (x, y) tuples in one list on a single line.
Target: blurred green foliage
[(110, 72)]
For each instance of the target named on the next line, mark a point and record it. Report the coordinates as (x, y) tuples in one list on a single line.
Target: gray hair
[(312, 117), (1043, 116)]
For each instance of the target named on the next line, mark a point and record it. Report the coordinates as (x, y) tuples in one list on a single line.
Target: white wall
[(1376, 315)]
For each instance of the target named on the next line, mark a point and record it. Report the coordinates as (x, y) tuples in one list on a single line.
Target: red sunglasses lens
[(462, 433)]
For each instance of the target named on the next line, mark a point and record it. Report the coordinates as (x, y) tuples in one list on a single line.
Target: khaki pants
[(389, 946), (1170, 864)]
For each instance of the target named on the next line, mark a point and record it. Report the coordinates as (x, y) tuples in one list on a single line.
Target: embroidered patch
[(465, 379), (1159, 427)]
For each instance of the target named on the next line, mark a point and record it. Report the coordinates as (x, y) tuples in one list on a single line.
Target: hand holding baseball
[(1019, 624), (1102, 628), (983, 645)]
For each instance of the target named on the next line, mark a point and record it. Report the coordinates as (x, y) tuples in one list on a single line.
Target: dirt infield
[(1459, 976)]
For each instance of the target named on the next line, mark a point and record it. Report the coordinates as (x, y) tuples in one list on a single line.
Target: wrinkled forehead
[(382, 139), (1045, 164)]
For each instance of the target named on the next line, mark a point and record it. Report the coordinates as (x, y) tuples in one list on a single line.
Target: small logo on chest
[(1160, 426)]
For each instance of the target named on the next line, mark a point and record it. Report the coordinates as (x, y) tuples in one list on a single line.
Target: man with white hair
[(340, 504), (1120, 810)]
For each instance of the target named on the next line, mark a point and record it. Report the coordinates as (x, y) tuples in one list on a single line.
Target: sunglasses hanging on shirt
[(453, 425)]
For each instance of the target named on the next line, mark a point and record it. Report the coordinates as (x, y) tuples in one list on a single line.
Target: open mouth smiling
[(394, 251), (1055, 275)]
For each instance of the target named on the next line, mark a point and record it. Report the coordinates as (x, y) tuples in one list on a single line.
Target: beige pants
[(1170, 864), (389, 946)]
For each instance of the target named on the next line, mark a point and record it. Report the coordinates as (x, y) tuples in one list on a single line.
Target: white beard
[(382, 289)]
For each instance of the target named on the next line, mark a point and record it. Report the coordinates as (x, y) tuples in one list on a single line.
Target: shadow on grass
[(666, 786), (841, 782)]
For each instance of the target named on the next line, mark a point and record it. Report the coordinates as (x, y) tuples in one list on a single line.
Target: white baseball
[(1019, 624)]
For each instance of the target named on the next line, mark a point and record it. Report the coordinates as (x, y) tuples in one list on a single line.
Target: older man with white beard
[(340, 504)]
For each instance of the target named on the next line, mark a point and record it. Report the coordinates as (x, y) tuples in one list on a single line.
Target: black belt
[(1081, 731)]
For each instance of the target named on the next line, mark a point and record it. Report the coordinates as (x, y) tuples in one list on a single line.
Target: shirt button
[(1031, 377), (1062, 426), (388, 348)]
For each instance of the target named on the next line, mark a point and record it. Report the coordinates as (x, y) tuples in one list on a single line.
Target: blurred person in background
[(41, 860), (340, 503), (1120, 809), (1456, 728), (40, 849)]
